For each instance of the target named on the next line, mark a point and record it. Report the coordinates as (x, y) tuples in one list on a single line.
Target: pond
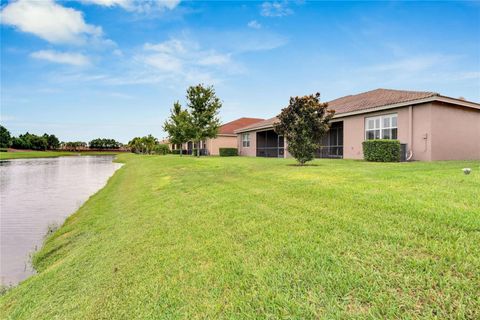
[(36, 194)]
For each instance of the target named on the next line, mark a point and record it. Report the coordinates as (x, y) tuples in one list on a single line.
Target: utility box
[(403, 152)]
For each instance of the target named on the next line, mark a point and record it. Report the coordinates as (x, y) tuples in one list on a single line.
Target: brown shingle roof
[(359, 102), (230, 127), (261, 124), (375, 98)]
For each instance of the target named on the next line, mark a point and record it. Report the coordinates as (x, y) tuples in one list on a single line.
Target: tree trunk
[(198, 148)]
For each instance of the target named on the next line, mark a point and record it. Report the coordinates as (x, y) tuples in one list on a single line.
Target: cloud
[(139, 6), (71, 58), (275, 9), (254, 24), (413, 64), (49, 21), (182, 57)]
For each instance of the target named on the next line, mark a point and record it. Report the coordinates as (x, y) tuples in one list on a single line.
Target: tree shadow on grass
[(305, 165)]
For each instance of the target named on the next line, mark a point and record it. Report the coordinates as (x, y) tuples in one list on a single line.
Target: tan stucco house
[(429, 126), (226, 138)]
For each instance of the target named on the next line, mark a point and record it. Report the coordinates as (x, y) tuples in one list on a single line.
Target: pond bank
[(174, 237), (36, 196), (50, 154)]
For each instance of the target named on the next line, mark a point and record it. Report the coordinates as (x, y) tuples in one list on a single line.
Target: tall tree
[(179, 125), (203, 106), (5, 138), (303, 123), (52, 141)]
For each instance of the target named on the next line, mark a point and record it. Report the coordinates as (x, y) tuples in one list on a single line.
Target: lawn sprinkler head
[(467, 170)]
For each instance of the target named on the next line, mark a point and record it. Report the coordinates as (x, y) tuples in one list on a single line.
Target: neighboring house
[(429, 126), (226, 138)]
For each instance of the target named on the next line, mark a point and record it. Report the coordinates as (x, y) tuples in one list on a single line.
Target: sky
[(113, 68)]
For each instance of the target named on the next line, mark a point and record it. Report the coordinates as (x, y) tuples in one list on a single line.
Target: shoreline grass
[(192, 238), (51, 154)]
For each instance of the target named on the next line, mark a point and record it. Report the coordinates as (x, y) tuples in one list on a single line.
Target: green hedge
[(228, 152), (162, 149), (381, 150)]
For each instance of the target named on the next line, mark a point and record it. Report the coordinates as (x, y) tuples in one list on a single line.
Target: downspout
[(410, 133)]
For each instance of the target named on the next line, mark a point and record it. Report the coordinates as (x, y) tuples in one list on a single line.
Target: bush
[(381, 150), (228, 152), (178, 151), (162, 149)]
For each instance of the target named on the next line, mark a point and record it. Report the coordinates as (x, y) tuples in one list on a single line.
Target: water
[(36, 194)]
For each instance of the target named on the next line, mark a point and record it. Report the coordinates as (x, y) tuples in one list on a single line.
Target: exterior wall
[(214, 145), (432, 131), (455, 133), (252, 150), (418, 138), (421, 132), (248, 151)]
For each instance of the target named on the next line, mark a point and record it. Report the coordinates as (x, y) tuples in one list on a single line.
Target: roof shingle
[(375, 98), (230, 127), (358, 102)]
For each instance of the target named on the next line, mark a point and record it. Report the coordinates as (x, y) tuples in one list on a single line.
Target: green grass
[(240, 238), (50, 154)]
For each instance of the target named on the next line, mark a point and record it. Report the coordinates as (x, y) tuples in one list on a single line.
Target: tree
[(5, 138), (303, 123), (203, 106), (145, 145), (179, 125), (30, 141), (104, 144), (52, 141), (74, 145)]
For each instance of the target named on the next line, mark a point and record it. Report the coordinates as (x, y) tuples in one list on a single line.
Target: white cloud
[(413, 64), (72, 58), (275, 9), (180, 56), (254, 24), (50, 21), (214, 59), (140, 6)]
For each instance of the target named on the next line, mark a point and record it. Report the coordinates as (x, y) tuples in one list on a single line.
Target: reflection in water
[(38, 193)]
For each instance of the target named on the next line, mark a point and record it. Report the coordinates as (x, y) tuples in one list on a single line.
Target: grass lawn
[(50, 154), (240, 238)]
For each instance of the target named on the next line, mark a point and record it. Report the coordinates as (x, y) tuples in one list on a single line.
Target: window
[(381, 127), (246, 140)]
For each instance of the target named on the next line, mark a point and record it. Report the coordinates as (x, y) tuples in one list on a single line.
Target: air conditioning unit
[(403, 152)]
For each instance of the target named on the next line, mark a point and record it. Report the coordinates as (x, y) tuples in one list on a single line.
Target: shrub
[(162, 149), (228, 152), (381, 150)]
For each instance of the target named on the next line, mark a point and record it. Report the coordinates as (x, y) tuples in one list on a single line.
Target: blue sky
[(113, 68)]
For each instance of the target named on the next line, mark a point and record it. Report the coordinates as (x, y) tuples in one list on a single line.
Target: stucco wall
[(436, 132), (455, 132), (248, 151), (439, 132), (422, 132), (354, 131), (214, 145)]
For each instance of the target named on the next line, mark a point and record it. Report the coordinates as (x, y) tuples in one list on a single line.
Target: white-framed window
[(245, 140), (381, 127)]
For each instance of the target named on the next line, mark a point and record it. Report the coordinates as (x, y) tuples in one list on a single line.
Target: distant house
[(429, 126), (226, 138)]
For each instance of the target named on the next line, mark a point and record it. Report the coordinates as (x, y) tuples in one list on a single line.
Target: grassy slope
[(173, 237), (48, 154)]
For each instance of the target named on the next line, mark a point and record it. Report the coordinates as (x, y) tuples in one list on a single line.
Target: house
[(226, 138), (428, 125)]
